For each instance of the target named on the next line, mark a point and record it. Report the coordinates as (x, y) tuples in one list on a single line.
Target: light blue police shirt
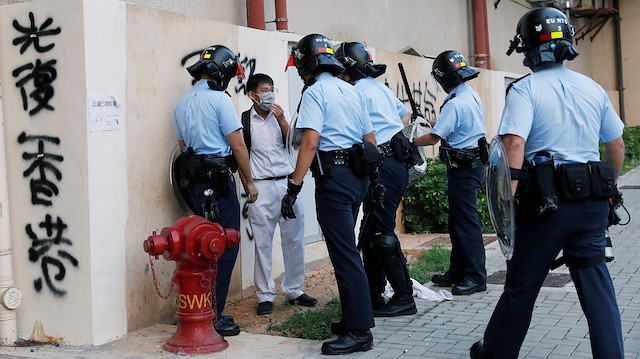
[(203, 118), (562, 112), (461, 120), (385, 110), (335, 110)]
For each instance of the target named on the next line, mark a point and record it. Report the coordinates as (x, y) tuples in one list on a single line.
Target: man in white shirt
[(265, 126)]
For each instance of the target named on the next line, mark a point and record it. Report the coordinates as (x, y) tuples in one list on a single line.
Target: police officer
[(207, 127), (564, 115), (334, 122), (462, 129), (381, 252)]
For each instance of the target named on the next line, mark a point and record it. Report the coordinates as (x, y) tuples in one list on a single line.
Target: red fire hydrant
[(195, 244)]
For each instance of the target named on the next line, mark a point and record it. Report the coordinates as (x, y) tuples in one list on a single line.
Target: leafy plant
[(311, 324), (425, 206), (432, 261)]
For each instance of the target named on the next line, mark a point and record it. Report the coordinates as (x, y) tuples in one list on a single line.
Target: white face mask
[(267, 99)]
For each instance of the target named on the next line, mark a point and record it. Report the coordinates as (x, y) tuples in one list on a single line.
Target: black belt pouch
[(364, 158), (574, 182), (603, 178)]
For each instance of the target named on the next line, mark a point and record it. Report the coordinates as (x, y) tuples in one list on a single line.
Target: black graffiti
[(43, 76), (33, 34), (247, 64), (424, 98), (40, 251), (41, 187), (245, 215)]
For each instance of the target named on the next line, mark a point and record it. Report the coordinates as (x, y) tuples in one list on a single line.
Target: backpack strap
[(246, 129)]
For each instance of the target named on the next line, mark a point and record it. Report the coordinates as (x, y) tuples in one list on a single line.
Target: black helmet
[(356, 59), (219, 62), (450, 69), (315, 52), (541, 26)]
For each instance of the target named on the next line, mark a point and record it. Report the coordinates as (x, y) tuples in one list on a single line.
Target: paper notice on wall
[(104, 113)]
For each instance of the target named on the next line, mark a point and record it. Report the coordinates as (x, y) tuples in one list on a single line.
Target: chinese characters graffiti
[(49, 248)]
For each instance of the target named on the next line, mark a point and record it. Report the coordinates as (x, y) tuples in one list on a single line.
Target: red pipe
[(255, 14), (281, 15), (481, 34)]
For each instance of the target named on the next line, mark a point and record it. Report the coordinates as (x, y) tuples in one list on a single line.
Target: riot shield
[(179, 195), (294, 138), (500, 198)]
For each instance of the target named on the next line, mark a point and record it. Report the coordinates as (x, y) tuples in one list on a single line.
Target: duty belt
[(336, 157), (385, 150)]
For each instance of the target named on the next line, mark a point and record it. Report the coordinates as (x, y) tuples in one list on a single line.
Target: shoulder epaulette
[(447, 100), (506, 92)]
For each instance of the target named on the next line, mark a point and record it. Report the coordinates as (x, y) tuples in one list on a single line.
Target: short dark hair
[(256, 79)]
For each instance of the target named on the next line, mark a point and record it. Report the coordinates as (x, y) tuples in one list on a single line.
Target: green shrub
[(425, 206)]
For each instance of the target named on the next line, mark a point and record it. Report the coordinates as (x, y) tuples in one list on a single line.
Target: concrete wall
[(67, 184)]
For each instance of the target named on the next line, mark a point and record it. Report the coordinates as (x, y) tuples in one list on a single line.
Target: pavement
[(439, 330)]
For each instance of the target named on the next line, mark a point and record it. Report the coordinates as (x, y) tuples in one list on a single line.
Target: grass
[(316, 323), (312, 324), (430, 262)]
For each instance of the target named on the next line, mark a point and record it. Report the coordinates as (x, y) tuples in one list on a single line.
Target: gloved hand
[(376, 190), (289, 199)]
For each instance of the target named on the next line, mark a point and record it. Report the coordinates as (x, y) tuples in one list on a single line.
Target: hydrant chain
[(155, 281)]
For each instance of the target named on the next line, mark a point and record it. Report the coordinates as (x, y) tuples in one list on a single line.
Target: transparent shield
[(417, 128), (294, 138), (500, 198), (176, 193)]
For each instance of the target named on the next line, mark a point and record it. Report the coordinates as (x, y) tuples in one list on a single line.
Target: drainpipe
[(281, 15), (618, 49), (481, 34), (10, 296), (255, 14)]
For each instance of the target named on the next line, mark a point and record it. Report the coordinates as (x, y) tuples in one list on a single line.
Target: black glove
[(376, 190), (289, 199)]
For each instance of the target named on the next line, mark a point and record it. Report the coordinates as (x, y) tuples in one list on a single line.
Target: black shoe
[(397, 305), (227, 327), (264, 308), (304, 300), (338, 328), (477, 351), (443, 280), (467, 287), (351, 342)]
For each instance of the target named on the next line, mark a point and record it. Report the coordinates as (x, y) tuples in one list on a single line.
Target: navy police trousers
[(579, 230), (338, 199), (229, 210)]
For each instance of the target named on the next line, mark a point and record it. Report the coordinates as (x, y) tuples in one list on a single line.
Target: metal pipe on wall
[(282, 22), (481, 34), (255, 14), (618, 49)]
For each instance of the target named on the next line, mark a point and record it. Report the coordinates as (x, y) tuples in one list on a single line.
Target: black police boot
[(338, 328), (477, 351), (397, 305), (444, 280), (351, 342), (227, 327), (467, 287)]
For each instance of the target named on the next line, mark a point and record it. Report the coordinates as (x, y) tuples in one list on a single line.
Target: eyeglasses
[(275, 92)]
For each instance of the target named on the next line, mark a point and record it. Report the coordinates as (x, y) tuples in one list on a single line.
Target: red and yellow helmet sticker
[(551, 36), (325, 49)]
